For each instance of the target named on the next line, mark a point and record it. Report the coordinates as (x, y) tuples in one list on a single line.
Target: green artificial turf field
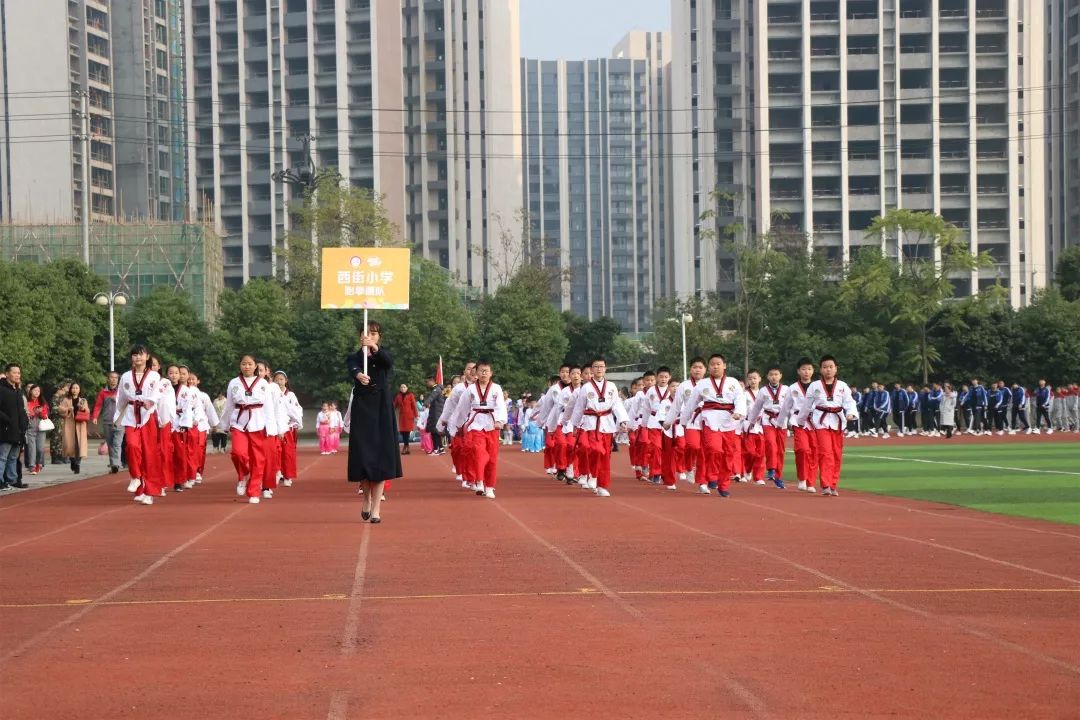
[(1038, 480)]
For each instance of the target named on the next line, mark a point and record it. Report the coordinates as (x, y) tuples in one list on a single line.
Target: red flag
[(438, 373)]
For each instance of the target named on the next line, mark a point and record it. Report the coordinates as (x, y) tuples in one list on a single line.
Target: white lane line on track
[(74, 617), (906, 538), (871, 595), (60, 529), (960, 464), (349, 639), (755, 703), (967, 514)]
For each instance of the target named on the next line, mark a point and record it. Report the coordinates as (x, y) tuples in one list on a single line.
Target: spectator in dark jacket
[(13, 424)]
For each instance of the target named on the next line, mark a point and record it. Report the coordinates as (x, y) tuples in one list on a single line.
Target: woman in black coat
[(373, 433)]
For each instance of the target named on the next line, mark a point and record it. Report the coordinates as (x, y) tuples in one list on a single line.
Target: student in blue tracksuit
[(964, 404), (1019, 409), (1044, 400), (924, 411), (933, 408), (899, 407), (999, 399), (980, 407), (853, 425), (866, 425), (882, 406), (912, 409)]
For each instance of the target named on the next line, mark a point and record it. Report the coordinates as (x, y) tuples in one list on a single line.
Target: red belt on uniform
[(246, 409), (138, 405), (772, 413), (834, 410), (718, 406), (475, 412), (597, 414)]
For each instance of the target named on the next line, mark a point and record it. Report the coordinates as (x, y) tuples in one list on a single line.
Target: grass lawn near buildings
[(1037, 480)]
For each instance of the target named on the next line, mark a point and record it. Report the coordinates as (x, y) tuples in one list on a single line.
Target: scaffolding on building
[(134, 257)]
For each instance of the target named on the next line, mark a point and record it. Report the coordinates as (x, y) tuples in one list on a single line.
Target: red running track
[(547, 602)]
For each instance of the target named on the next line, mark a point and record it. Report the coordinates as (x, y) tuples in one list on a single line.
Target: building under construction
[(133, 257)]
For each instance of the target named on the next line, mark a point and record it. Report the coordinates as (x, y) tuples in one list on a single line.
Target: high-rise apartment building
[(150, 109), (463, 135), (52, 52), (128, 57), (596, 179), (858, 106), (410, 99), (1062, 126)]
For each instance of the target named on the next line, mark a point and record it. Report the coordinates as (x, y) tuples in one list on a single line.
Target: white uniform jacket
[(135, 401), (828, 407), (682, 396), (752, 427), (791, 411), (479, 409), (598, 407), (247, 406), (166, 403), (716, 402), (768, 406), (294, 413), (449, 407)]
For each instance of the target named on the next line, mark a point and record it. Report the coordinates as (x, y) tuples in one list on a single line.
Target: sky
[(579, 29)]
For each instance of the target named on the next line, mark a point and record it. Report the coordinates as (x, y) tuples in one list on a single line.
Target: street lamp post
[(111, 299), (682, 320)]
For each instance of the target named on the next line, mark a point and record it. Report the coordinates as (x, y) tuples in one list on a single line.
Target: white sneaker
[(802, 485), (835, 492), (672, 488), (682, 476), (759, 482), (704, 490), (267, 494), (583, 482), (253, 501), (453, 469), (551, 471), (1029, 431), (138, 498), (287, 482), (489, 493), (478, 488), (602, 492), (1050, 431), (147, 500), (811, 489), (826, 491), (189, 484), (466, 485), (134, 484), (884, 436), (1001, 432), (592, 483), (1012, 432), (459, 478), (198, 478), (162, 493), (241, 488)]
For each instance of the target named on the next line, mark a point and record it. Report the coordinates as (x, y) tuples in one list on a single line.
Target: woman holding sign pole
[(373, 448)]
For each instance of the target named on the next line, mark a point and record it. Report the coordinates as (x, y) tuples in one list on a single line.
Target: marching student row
[(710, 430), (166, 421)]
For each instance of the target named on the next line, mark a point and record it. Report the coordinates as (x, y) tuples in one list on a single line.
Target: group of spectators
[(940, 409)]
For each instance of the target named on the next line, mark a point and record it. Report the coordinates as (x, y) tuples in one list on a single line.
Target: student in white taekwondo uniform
[(753, 435), (690, 461), (546, 409), (247, 417), (206, 418), (459, 454), (827, 407), (791, 413), (565, 444), (481, 414), (768, 410), (721, 403), (183, 468), (658, 401), (134, 412), (633, 426), (294, 422), (599, 414), (165, 408), (275, 432)]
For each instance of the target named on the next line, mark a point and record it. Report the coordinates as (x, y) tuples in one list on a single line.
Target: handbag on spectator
[(82, 416), (45, 425), (103, 449)]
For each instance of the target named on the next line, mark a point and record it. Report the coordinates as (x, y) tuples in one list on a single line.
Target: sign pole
[(365, 333)]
